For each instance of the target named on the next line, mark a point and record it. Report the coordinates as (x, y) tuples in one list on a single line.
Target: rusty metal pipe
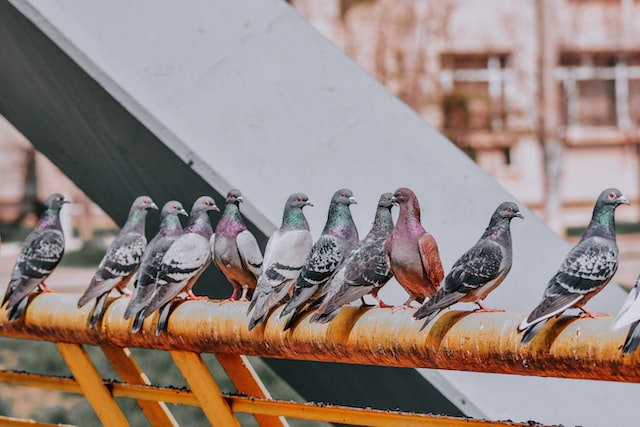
[(484, 342)]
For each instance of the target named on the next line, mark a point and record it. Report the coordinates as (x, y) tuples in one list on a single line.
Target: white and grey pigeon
[(121, 260), (479, 270), (184, 262), (41, 252), (235, 249), (337, 239), (284, 256), (630, 314), (144, 290), (364, 271), (588, 267)]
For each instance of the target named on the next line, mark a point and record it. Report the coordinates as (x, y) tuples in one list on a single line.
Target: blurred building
[(28, 178), (543, 94)]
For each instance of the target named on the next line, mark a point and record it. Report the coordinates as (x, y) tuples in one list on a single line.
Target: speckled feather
[(364, 270), (480, 269), (337, 239), (41, 252), (586, 270), (185, 260), (169, 230)]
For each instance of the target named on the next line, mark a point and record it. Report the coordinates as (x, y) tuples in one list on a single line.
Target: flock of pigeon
[(318, 277)]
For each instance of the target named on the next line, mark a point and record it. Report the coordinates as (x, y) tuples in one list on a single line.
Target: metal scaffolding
[(568, 347)]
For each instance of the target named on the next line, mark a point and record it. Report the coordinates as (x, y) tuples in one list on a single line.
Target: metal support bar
[(247, 381), (92, 385), (252, 405), (16, 422), (567, 347), (129, 371), (204, 387)]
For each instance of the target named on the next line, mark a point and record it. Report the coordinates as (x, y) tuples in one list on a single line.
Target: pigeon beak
[(183, 212), (519, 215), (65, 201), (623, 200), (353, 200), (215, 208), (308, 204), (153, 206), (240, 199)]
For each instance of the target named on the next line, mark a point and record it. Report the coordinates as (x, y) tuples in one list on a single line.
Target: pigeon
[(185, 260), (144, 290), (338, 237), (41, 252), (365, 269), (479, 270), (588, 267), (284, 256), (412, 253), (235, 250), (121, 260), (630, 314)]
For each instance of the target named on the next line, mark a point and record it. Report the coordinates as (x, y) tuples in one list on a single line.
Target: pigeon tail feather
[(632, 341), (97, 309)]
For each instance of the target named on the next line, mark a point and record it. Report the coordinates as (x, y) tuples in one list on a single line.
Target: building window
[(475, 88), (600, 89)]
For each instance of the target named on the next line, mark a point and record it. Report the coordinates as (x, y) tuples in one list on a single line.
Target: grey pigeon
[(337, 239), (235, 249), (630, 314), (479, 270), (365, 269), (284, 256), (185, 260), (41, 252), (170, 229), (412, 253), (121, 260), (588, 267)]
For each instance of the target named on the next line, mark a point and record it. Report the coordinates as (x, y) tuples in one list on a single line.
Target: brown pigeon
[(412, 253)]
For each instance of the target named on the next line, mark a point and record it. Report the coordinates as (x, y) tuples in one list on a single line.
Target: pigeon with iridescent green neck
[(479, 270), (121, 260), (235, 249), (183, 263), (144, 290), (586, 270), (41, 252), (338, 237), (365, 269), (284, 256)]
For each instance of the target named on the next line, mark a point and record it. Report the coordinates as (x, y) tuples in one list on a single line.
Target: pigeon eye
[(341, 194), (299, 199), (145, 201), (509, 209), (612, 195), (206, 203), (175, 207)]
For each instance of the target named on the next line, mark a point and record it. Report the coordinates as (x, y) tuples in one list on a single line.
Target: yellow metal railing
[(484, 342)]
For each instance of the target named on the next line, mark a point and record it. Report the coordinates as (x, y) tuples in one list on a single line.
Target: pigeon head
[(506, 210), (51, 214), (407, 201), (298, 200), (343, 196), (611, 197), (54, 202), (293, 217), (143, 203), (234, 196), (204, 204), (173, 207), (386, 200)]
